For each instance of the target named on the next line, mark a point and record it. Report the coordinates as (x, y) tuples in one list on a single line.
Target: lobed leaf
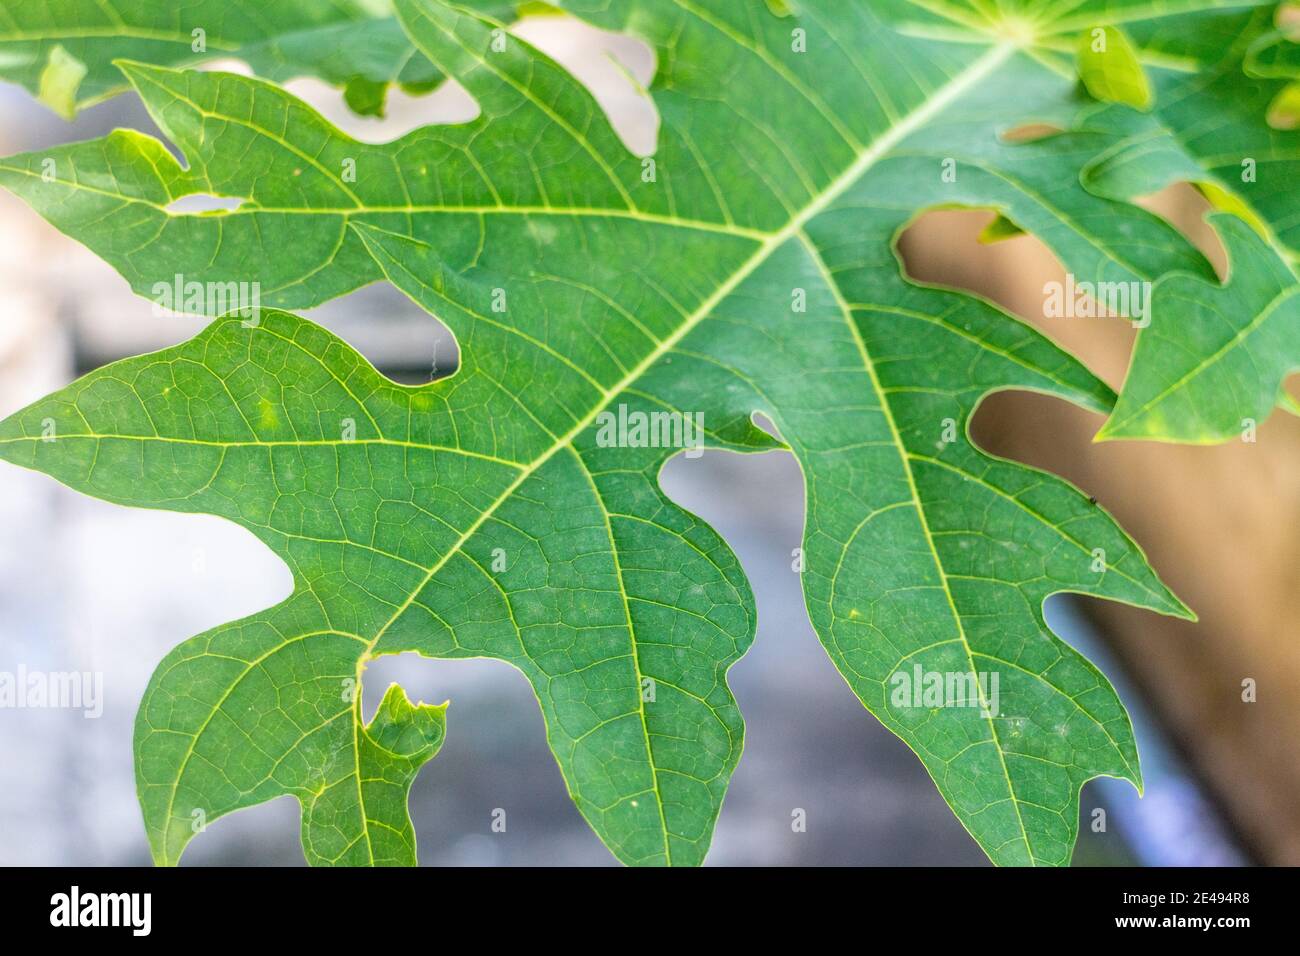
[(746, 268)]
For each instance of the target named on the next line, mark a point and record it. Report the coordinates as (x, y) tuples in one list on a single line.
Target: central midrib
[(868, 158)]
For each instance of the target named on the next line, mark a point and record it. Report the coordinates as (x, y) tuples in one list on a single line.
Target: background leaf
[(1110, 69), (354, 44), (1208, 127), (1227, 356)]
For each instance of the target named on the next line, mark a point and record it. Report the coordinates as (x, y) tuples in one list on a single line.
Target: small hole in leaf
[(197, 204), (403, 111), (405, 343), (616, 69), (449, 103), (1288, 20), (1029, 132)]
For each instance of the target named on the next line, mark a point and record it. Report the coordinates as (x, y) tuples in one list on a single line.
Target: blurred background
[(88, 586)]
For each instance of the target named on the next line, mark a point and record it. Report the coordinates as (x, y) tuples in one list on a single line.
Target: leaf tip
[(130, 68), (1106, 433), (1171, 605)]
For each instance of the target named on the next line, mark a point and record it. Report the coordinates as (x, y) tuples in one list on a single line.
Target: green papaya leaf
[(746, 268)]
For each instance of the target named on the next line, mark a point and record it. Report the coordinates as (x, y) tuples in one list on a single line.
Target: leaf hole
[(765, 424), (1029, 132), (616, 68), (1288, 20), (200, 204), (397, 337), (448, 103), (266, 832)]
